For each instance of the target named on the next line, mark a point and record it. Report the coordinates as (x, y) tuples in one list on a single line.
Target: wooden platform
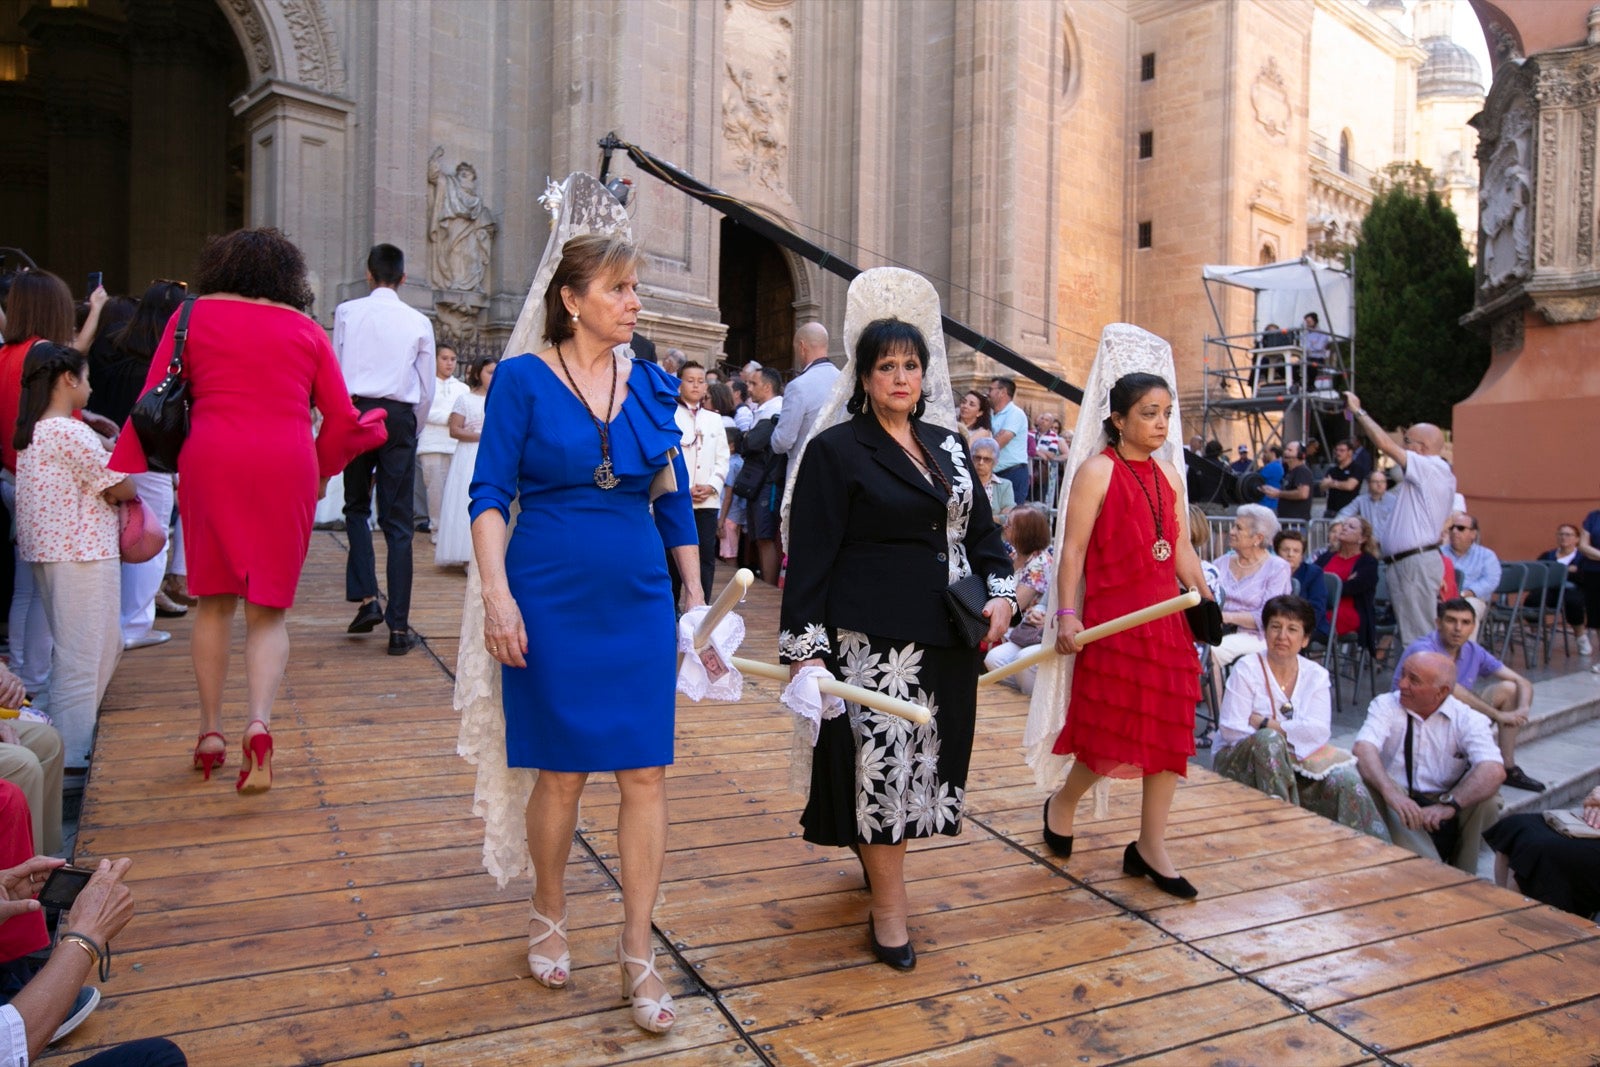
[(344, 916)]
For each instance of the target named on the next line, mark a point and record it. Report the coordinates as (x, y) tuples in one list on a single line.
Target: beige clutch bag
[(1570, 824), (666, 479)]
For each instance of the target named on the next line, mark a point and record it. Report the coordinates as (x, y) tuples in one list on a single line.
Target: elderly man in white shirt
[(705, 455), (1431, 764), (1422, 503), (435, 446), (805, 393), (386, 351)]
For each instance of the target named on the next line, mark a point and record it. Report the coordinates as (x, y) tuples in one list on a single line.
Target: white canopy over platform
[(1286, 291)]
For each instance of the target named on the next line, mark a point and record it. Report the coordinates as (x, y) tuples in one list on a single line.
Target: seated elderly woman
[(1276, 718), (1028, 532), (1248, 576), (1002, 498)]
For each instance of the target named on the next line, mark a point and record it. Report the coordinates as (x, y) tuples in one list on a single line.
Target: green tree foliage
[(1414, 360)]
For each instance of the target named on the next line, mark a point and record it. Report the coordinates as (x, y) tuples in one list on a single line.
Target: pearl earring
[(574, 316)]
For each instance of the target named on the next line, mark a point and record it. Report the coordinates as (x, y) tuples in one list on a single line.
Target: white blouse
[(1249, 692)]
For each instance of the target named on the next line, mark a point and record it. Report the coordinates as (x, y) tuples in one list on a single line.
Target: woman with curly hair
[(251, 471)]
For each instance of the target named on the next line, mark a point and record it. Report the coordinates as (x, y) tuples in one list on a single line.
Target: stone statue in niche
[(460, 228), (1506, 246), (755, 92)]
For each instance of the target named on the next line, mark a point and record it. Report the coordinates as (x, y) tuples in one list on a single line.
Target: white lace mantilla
[(883, 293), (580, 205), (1124, 349)]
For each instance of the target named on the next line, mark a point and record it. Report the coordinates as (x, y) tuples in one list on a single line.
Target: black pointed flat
[(1060, 844), (900, 957), (1133, 863)]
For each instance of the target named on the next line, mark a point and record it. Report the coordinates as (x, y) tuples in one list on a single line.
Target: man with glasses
[(1375, 505), (1477, 568), (1410, 537)]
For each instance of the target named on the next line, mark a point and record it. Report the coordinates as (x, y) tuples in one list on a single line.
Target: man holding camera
[(1431, 764)]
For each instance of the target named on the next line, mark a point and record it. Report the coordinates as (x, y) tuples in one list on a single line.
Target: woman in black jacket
[(886, 515), (1353, 555)]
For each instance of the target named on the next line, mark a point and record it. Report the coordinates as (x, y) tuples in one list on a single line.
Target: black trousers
[(149, 1052), (393, 465), (705, 528)]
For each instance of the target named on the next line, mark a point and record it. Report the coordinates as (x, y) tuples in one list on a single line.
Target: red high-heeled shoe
[(204, 761), (257, 774)]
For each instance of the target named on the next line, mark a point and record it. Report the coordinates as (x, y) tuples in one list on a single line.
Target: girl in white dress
[(454, 547)]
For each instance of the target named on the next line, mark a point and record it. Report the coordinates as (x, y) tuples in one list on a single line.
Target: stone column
[(1539, 299), (83, 70), (297, 176), (177, 184)]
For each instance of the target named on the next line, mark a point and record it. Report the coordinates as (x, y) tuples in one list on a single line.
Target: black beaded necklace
[(1162, 549), (604, 476)]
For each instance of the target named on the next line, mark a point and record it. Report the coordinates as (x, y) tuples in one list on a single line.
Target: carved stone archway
[(297, 114)]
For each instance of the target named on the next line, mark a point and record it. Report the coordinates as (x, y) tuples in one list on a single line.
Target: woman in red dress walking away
[(250, 469), (1125, 547)]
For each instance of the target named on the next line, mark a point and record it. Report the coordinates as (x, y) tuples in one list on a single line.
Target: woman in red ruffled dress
[(1131, 711)]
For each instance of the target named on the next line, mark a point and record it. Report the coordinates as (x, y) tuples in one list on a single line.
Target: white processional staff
[(832, 687), (726, 601), (1039, 653)]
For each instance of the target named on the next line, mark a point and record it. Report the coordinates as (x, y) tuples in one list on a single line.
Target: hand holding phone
[(63, 886), (95, 282)]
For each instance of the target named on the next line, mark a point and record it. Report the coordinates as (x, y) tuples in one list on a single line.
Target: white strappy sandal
[(647, 1012), (550, 973)]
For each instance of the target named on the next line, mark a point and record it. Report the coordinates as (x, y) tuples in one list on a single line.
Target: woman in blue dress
[(585, 441)]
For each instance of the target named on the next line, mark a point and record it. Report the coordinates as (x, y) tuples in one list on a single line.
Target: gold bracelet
[(83, 943)]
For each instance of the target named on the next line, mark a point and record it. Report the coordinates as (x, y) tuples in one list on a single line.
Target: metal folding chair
[(1504, 617)]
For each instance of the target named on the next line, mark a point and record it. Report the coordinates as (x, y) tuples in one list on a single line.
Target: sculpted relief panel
[(1270, 101), (1505, 246), (758, 46)]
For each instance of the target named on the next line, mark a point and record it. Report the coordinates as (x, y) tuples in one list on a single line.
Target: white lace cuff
[(1004, 588), (810, 643), (710, 675), (805, 698)]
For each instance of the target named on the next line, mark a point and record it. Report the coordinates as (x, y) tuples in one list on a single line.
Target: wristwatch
[(1449, 798)]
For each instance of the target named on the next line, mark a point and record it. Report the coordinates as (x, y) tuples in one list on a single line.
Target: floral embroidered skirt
[(877, 779), (1262, 761)]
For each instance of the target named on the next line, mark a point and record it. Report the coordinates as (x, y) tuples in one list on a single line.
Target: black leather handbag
[(161, 416), (965, 599)]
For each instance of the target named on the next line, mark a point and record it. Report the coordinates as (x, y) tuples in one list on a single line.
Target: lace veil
[(580, 205), (884, 293), (879, 293), (1124, 349)]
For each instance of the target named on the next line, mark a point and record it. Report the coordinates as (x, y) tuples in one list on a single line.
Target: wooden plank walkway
[(344, 917)]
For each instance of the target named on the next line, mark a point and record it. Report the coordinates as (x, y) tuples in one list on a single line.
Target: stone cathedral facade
[(1053, 165)]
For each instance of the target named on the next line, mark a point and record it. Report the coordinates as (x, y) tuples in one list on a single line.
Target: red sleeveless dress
[(1131, 711)]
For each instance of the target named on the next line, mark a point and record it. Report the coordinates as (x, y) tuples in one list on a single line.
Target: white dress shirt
[(1446, 745), (1254, 692), (385, 349), (768, 409), (13, 1038), (435, 436), (1422, 503), (705, 450)]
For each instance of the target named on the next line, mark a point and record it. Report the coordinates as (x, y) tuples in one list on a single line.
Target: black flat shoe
[(1134, 864), (900, 957), (368, 616), (401, 642), (1060, 844)]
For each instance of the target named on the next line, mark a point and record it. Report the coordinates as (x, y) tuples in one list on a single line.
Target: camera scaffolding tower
[(1280, 382)]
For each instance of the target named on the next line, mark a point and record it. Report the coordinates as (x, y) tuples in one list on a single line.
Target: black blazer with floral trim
[(874, 544)]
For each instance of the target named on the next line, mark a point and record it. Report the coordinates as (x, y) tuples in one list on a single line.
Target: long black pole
[(782, 235)]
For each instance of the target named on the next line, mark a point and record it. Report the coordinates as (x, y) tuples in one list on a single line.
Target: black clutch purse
[(161, 416), (965, 600), (1205, 622)]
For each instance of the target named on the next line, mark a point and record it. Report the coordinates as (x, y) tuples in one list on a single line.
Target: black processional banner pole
[(743, 215)]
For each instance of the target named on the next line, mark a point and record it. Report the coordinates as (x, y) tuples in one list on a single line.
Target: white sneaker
[(87, 1000), (1585, 646)]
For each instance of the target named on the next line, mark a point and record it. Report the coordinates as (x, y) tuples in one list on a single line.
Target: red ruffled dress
[(1131, 712)]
